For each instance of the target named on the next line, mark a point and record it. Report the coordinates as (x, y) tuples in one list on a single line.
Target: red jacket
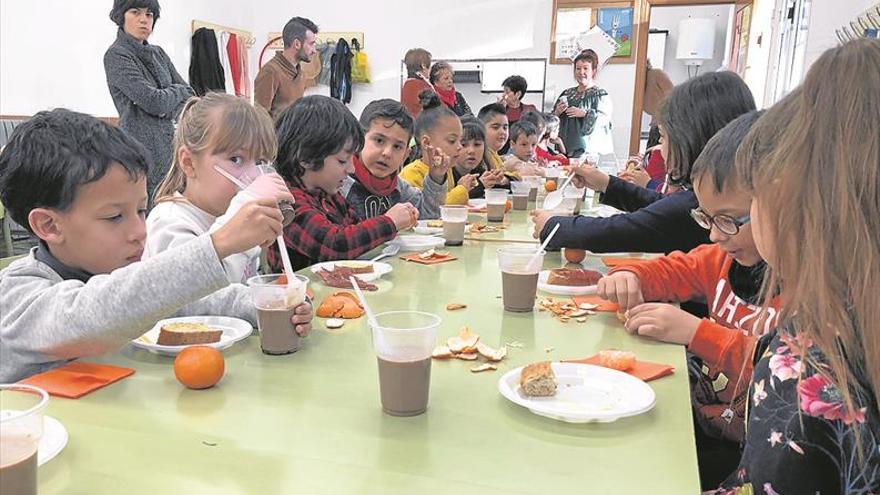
[(326, 228), (409, 95), (549, 156), (726, 340)]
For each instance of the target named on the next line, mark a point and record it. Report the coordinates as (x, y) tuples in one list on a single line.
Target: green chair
[(7, 231)]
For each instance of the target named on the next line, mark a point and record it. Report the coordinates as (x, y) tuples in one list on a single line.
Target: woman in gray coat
[(146, 89)]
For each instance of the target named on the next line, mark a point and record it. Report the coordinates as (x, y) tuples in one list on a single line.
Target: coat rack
[(247, 37), (321, 37), (866, 25)]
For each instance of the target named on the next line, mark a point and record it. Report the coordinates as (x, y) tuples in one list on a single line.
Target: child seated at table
[(375, 186), (727, 276), (494, 117), (317, 137), (523, 141), (550, 146), (438, 132), (79, 185), (473, 159)]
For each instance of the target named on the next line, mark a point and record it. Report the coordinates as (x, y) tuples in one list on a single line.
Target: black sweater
[(656, 224)]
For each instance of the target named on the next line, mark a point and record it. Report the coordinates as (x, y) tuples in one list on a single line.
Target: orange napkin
[(433, 260), (77, 378), (603, 304), (614, 262), (643, 370)]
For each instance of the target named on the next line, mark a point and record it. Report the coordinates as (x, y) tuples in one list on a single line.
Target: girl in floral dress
[(813, 163)]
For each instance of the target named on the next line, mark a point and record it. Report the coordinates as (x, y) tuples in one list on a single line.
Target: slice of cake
[(573, 277), (538, 380), (188, 334)]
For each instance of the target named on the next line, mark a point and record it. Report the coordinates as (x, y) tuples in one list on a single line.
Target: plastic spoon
[(357, 289), (554, 199), (390, 250), (541, 248)]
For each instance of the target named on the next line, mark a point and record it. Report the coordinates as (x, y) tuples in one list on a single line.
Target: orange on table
[(199, 366), (508, 206), (550, 186), (574, 255)]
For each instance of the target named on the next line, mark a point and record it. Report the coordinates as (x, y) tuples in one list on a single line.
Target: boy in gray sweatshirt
[(79, 185)]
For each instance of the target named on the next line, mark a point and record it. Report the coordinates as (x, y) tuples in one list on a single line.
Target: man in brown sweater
[(280, 82)]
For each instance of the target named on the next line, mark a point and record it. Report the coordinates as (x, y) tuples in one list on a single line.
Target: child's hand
[(257, 223), (623, 288), (540, 218), (438, 163), (663, 322), (404, 215), (302, 319), (491, 178), (270, 186), (468, 181), (636, 176)]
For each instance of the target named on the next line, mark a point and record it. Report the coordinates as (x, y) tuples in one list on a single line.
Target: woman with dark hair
[(146, 89), (584, 111), (418, 71), (442, 77), (693, 113)]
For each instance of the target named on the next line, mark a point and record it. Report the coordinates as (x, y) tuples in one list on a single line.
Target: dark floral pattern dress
[(800, 437)]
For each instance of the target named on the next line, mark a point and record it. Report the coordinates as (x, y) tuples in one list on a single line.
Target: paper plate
[(53, 441), (563, 290), (417, 242), (422, 228), (234, 330), (379, 268), (584, 394)]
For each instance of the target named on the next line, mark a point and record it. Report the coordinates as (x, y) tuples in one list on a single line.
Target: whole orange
[(550, 186), (507, 206), (199, 366), (574, 255)]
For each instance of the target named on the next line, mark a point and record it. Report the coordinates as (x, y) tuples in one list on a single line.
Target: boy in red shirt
[(726, 275)]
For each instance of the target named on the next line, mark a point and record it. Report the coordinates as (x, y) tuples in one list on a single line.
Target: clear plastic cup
[(454, 221), (534, 183), (578, 194), (21, 427), (250, 175), (552, 172), (519, 277), (276, 303), (403, 341), (520, 190), (496, 203)]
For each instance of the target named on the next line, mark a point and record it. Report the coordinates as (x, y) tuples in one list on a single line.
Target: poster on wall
[(570, 23), (618, 23)]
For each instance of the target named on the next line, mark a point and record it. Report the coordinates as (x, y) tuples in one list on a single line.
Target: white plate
[(584, 394), (619, 255), (234, 330), (563, 290), (53, 441), (417, 242), (379, 268), (422, 228)]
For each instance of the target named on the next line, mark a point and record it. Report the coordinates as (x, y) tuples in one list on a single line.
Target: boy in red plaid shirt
[(317, 137)]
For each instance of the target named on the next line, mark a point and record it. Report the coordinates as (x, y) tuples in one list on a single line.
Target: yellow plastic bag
[(360, 68)]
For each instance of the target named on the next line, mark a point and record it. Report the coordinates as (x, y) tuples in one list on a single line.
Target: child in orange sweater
[(726, 275)]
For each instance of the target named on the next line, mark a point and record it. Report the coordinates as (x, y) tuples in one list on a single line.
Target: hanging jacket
[(205, 69), (340, 72), (326, 51)]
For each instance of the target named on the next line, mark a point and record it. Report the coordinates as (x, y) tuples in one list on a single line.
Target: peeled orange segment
[(484, 367), (465, 341), (441, 352), (618, 360), (490, 353), (467, 356)]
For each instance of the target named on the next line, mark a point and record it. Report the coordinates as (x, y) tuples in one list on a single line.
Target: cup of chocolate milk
[(496, 203), (519, 277), (520, 190), (534, 183), (577, 194), (21, 427), (454, 220), (276, 300), (403, 341)]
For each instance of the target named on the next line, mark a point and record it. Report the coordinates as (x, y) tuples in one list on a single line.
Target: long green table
[(311, 422)]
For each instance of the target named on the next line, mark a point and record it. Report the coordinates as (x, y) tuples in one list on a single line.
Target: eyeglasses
[(725, 224)]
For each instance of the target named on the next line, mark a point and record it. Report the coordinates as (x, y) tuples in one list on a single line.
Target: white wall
[(38, 71), (825, 17), (668, 18)]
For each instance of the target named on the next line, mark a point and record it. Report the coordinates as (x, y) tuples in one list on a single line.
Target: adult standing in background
[(280, 82), (584, 111), (146, 89), (443, 78), (418, 72)]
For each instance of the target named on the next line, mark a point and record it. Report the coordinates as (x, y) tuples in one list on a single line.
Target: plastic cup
[(519, 277), (578, 195), (21, 427), (520, 191), (267, 168), (276, 302), (496, 203), (454, 221), (534, 183), (403, 341), (551, 173)]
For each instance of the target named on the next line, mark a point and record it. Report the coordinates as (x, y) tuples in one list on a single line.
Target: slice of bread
[(188, 334), (573, 277), (356, 268), (435, 224), (538, 380)]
